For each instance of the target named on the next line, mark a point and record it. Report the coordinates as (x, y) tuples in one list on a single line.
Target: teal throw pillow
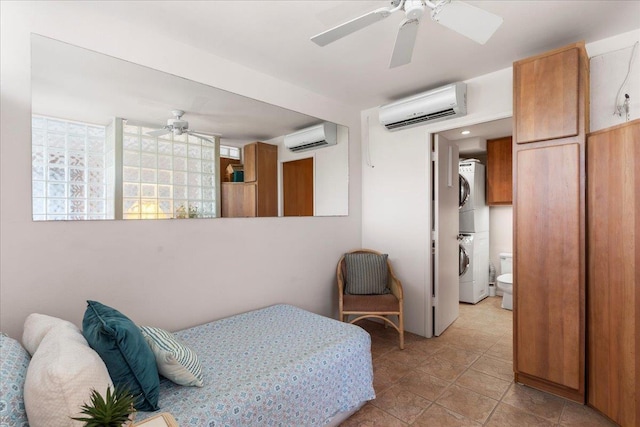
[(367, 274), (125, 352)]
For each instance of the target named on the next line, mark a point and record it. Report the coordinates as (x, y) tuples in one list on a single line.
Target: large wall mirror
[(116, 140)]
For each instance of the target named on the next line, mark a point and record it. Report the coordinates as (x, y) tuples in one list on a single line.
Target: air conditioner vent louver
[(434, 105), (318, 136), (308, 146), (425, 118)]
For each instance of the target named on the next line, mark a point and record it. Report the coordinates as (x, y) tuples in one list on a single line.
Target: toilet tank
[(506, 262)]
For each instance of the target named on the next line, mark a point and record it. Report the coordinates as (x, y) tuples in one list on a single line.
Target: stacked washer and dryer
[(474, 232)]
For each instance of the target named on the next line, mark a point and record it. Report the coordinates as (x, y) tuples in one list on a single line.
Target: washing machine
[(473, 210), (473, 266)]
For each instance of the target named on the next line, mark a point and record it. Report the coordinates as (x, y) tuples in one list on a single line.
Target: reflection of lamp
[(149, 210)]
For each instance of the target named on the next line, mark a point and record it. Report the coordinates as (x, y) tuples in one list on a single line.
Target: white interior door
[(446, 195)]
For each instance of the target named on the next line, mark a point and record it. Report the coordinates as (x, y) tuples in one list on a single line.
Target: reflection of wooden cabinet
[(238, 199), (614, 272), (499, 171), (551, 121), (258, 194)]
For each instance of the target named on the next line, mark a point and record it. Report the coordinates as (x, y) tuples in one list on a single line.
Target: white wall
[(500, 233), (609, 63), (395, 196), (172, 274)]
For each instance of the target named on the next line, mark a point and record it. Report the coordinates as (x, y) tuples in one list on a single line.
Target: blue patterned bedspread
[(278, 366)]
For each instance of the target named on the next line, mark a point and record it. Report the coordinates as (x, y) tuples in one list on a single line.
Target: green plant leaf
[(110, 411)]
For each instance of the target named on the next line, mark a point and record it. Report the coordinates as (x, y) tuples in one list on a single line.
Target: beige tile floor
[(462, 378)]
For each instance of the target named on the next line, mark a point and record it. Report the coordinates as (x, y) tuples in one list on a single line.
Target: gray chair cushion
[(367, 274)]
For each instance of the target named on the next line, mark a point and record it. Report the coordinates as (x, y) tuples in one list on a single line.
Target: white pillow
[(62, 373), (175, 361), (36, 327)]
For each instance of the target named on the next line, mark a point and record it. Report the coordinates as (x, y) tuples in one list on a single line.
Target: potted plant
[(114, 410)]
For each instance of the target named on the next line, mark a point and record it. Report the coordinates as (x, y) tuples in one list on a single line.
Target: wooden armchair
[(371, 306)]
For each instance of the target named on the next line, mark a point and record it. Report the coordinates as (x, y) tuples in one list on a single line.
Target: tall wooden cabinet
[(500, 171), (258, 194), (613, 314), (551, 110)]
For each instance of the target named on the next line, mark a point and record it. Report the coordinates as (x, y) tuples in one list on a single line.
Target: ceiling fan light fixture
[(470, 21)]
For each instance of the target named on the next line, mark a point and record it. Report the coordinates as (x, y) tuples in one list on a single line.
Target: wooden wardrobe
[(576, 240), (613, 284), (551, 111), (258, 194)]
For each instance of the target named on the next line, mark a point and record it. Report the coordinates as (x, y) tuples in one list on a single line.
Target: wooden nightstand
[(163, 419)]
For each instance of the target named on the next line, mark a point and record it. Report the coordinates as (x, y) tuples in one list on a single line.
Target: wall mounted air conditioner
[(434, 105), (322, 135)]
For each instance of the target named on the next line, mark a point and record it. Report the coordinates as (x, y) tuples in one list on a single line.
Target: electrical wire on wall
[(366, 142), (623, 108)]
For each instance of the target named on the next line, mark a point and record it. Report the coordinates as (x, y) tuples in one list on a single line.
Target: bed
[(277, 366)]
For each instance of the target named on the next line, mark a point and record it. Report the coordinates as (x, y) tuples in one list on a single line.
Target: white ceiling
[(487, 130), (78, 84), (273, 37)]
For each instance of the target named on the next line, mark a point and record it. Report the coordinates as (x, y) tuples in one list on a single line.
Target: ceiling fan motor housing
[(414, 9), (178, 124)]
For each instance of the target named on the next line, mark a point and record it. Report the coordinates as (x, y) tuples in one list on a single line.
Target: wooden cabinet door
[(267, 179), (499, 171), (250, 159), (546, 96), (613, 309), (238, 200), (548, 281)]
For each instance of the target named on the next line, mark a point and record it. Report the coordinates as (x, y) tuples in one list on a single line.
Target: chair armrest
[(340, 277), (396, 287)]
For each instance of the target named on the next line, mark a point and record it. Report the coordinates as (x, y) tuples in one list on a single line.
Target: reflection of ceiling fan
[(177, 126), (470, 21)]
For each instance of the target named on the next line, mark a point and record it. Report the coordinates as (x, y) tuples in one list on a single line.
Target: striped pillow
[(175, 361), (367, 274)]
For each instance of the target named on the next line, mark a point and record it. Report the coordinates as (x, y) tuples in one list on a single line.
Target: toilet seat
[(507, 278)]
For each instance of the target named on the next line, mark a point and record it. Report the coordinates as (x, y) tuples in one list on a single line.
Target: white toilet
[(505, 280)]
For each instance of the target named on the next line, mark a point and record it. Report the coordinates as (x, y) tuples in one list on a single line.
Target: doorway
[(297, 187), (472, 142)]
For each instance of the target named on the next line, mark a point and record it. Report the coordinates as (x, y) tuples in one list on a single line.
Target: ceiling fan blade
[(349, 27), (204, 137), (405, 40), (470, 21), (158, 132), (142, 124)]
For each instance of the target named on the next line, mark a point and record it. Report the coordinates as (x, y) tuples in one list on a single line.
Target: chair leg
[(401, 325)]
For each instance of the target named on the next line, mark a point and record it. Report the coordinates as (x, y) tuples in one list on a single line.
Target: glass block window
[(229, 152), (171, 176), (68, 170)]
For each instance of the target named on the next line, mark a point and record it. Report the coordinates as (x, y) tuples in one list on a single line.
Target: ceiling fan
[(470, 21), (176, 126)]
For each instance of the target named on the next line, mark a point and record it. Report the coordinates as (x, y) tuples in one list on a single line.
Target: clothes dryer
[(473, 210)]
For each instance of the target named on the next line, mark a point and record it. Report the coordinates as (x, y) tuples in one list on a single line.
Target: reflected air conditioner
[(322, 135)]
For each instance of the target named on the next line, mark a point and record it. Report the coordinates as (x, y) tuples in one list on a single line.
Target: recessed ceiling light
[(465, 132)]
